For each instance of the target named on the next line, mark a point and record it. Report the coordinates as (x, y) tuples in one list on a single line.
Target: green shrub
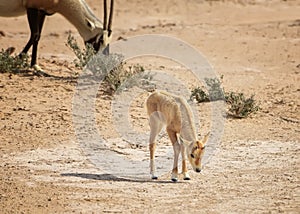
[(124, 76), (10, 63), (214, 91), (83, 56), (239, 106), (199, 95)]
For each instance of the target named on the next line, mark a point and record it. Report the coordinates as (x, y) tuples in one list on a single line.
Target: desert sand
[(254, 44)]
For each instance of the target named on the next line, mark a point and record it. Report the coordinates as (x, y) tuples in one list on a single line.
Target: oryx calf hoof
[(186, 176), (174, 179), (154, 177)]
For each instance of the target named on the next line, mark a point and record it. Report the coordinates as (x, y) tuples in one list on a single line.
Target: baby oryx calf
[(173, 111)]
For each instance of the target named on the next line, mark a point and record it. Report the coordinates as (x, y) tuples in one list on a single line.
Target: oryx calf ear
[(205, 138)]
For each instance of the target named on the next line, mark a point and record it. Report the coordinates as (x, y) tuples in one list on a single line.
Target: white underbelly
[(11, 8)]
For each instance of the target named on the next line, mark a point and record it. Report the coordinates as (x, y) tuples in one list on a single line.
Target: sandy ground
[(255, 169)]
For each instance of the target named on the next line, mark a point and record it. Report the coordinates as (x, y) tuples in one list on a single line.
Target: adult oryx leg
[(36, 20), (41, 19)]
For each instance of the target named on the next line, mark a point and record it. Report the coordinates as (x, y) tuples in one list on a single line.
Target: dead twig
[(290, 120)]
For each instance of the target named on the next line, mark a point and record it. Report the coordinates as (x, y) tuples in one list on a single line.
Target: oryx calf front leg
[(185, 173), (176, 148)]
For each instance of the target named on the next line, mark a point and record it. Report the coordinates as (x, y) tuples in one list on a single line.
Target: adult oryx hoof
[(38, 71)]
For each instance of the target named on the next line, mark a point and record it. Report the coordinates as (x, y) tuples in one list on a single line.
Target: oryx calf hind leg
[(155, 128)]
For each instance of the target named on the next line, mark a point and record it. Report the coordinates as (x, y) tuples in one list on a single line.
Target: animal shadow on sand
[(87, 79), (32, 73), (110, 177)]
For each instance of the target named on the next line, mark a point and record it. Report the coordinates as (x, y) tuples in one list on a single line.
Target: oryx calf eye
[(192, 155)]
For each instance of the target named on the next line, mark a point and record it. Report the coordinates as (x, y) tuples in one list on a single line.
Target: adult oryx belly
[(46, 5), (12, 8)]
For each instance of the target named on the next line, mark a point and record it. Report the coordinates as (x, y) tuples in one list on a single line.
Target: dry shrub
[(239, 106), (117, 75)]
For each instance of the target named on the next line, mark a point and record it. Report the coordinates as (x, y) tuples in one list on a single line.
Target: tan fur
[(47, 5), (174, 112), (75, 11)]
